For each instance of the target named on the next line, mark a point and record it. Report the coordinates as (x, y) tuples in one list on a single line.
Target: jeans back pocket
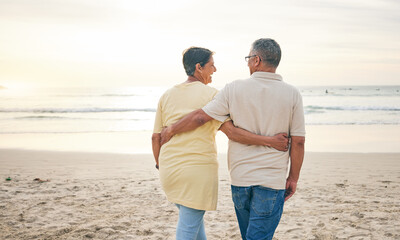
[(240, 196), (264, 200)]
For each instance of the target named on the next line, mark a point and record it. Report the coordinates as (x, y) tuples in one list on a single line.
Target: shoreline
[(319, 138)]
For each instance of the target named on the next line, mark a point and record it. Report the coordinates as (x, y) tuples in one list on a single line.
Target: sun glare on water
[(16, 88)]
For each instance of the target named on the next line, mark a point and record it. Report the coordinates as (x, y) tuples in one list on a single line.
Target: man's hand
[(280, 142), (166, 135), (291, 186)]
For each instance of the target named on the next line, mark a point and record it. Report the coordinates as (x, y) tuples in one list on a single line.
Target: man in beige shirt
[(262, 104)]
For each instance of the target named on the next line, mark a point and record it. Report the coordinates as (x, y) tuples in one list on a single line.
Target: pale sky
[(119, 43)]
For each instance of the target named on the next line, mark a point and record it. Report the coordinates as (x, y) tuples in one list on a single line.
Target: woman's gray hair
[(193, 56), (268, 50)]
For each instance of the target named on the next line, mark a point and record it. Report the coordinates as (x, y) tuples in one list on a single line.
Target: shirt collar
[(267, 76)]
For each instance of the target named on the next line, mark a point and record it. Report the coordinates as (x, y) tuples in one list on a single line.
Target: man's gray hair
[(268, 50)]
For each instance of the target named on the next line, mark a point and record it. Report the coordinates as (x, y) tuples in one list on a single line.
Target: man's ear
[(258, 61), (198, 67)]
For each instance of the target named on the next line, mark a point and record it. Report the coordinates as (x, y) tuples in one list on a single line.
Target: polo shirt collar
[(267, 76)]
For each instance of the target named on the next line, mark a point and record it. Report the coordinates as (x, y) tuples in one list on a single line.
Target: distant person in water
[(265, 105), (188, 163)]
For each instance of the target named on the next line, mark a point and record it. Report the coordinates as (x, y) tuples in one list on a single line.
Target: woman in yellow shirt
[(188, 162)]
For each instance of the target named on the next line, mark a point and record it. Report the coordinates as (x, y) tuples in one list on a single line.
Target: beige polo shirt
[(265, 105)]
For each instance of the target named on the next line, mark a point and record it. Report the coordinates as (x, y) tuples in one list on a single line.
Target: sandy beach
[(80, 195)]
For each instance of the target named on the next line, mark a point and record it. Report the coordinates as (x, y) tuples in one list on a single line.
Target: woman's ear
[(198, 67)]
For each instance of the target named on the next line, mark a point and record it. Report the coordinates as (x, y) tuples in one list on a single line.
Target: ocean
[(104, 110)]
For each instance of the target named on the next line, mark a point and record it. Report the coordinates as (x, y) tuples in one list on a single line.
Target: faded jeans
[(190, 224)]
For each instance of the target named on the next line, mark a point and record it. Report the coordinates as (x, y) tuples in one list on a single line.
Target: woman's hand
[(280, 142)]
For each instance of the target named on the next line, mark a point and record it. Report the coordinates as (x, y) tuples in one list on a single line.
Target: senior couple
[(261, 116)]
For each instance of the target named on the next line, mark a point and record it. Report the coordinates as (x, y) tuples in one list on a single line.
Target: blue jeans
[(258, 211), (190, 224)]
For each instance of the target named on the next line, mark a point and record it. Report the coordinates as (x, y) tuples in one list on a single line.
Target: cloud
[(127, 36), (55, 10)]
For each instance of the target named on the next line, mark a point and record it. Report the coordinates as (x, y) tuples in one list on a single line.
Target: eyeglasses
[(248, 57)]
